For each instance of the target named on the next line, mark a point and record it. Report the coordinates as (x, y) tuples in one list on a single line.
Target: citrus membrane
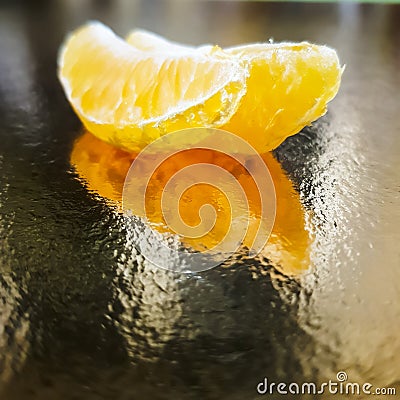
[(129, 93)]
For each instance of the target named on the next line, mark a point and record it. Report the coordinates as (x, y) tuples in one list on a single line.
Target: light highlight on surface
[(104, 168)]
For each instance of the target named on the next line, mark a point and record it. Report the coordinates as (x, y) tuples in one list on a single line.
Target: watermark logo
[(340, 386), (199, 195), (341, 376)]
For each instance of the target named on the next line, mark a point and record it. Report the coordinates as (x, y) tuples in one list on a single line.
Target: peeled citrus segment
[(129, 97), (130, 93), (288, 85)]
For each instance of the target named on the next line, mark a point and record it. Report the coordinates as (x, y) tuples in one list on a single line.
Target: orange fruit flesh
[(129, 94), (289, 86), (104, 169), (129, 98)]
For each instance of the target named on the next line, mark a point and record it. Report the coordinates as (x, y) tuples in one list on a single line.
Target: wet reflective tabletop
[(83, 316)]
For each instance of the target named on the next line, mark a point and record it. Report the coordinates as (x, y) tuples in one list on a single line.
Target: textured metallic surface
[(83, 316)]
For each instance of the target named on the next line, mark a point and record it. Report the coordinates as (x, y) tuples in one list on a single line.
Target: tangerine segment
[(128, 97), (104, 168), (288, 85), (128, 94)]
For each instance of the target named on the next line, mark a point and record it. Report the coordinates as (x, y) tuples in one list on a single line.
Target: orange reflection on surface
[(104, 168)]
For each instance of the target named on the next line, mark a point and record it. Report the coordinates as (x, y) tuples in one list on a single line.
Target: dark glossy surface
[(83, 317)]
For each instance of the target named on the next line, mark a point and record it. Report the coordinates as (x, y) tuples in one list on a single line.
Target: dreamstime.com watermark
[(339, 386), (196, 196)]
